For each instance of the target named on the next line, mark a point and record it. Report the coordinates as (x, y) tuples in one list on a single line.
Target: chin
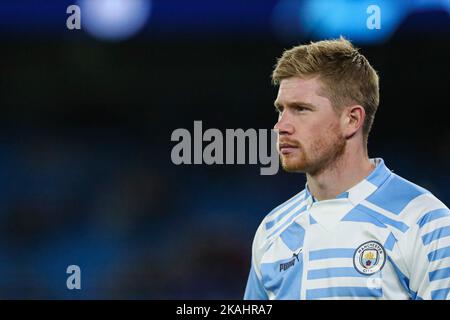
[(293, 165)]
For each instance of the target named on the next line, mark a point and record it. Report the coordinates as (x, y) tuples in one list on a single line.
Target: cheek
[(314, 130), (318, 129), (322, 136)]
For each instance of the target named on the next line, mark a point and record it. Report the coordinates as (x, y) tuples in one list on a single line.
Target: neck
[(339, 176)]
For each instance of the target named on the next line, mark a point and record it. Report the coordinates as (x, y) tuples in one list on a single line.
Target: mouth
[(286, 148)]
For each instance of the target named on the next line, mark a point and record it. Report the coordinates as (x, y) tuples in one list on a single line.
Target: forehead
[(300, 90)]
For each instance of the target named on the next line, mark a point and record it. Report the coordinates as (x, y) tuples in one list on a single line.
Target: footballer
[(357, 230)]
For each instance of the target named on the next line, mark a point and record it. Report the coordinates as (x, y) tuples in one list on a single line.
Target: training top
[(384, 238)]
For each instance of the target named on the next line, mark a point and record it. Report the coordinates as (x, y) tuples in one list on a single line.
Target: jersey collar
[(362, 189)]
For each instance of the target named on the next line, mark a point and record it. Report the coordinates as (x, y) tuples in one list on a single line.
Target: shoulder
[(404, 198)]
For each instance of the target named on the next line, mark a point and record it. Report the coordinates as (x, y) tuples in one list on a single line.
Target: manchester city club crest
[(369, 258)]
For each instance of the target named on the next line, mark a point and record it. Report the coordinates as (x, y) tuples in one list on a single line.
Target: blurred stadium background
[(85, 170)]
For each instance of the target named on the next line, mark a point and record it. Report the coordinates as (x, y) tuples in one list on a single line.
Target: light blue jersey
[(385, 238)]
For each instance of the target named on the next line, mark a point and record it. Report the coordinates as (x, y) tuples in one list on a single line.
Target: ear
[(353, 119)]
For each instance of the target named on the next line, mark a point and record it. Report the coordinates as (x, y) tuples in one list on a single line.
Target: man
[(357, 230)]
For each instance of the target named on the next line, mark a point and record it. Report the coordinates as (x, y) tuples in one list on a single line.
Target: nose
[(284, 125)]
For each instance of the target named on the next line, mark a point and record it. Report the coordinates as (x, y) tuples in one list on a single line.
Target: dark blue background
[(85, 170)]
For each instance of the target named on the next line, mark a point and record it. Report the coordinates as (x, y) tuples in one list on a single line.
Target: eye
[(301, 108)]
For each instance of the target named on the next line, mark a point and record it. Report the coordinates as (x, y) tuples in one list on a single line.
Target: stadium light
[(114, 20), (322, 19)]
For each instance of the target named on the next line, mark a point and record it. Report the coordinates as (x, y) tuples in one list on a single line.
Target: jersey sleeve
[(429, 255), (255, 289)]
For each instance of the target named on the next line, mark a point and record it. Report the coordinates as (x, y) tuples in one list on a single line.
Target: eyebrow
[(291, 104)]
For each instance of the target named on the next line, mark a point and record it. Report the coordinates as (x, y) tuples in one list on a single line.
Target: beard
[(323, 152)]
